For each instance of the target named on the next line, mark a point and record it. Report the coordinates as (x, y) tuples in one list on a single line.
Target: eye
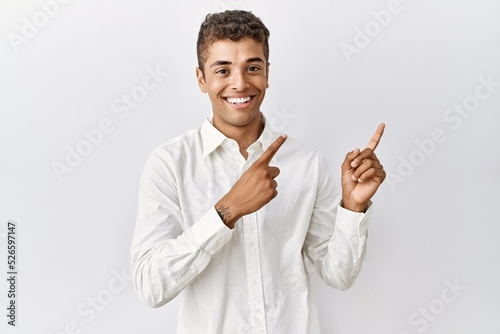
[(222, 71), (253, 68)]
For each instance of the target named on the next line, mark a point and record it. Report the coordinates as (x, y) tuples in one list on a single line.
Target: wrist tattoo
[(223, 212)]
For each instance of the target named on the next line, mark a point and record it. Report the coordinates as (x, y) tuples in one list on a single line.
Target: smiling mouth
[(238, 100)]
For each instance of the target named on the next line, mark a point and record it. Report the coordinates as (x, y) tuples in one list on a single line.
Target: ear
[(267, 75), (201, 80)]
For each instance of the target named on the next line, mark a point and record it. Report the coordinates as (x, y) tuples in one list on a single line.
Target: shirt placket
[(254, 274), (252, 253)]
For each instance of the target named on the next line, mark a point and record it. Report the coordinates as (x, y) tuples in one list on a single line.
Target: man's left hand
[(362, 174)]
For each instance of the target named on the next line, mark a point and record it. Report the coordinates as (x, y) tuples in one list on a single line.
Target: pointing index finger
[(373, 143), (271, 150)]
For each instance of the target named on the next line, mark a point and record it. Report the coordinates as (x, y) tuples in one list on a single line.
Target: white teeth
[(236, 100)]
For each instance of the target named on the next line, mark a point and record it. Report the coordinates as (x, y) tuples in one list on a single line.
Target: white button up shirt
[(253, 278)]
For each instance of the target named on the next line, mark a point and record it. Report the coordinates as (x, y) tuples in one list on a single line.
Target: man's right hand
[(255, 188)]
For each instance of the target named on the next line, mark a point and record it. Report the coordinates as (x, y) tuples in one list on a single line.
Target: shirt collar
[(266, 137), (213, 138)]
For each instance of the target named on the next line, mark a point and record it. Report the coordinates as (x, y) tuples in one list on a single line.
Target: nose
[(239, 81)]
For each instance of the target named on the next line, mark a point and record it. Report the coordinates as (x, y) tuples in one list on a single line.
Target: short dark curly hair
[(231, 24)]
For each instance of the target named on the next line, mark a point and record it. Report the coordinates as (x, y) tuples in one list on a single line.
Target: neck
[(244, 135)]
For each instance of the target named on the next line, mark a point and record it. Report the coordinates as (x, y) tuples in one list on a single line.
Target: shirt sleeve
[(166, 256), (336, 239)]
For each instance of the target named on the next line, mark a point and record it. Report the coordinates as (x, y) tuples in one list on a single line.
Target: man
[(211, 223)]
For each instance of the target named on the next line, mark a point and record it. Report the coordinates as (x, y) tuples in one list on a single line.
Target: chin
[(243, 119)]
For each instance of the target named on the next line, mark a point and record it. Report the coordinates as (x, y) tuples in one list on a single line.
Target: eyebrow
[(227, 62)]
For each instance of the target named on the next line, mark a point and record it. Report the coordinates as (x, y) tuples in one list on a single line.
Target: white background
[(435, 221)]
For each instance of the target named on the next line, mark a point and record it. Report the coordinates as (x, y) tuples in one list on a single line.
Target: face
[(236, 79)]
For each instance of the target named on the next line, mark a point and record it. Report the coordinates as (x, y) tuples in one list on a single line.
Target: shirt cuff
[(210, 232), (353, 223)]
